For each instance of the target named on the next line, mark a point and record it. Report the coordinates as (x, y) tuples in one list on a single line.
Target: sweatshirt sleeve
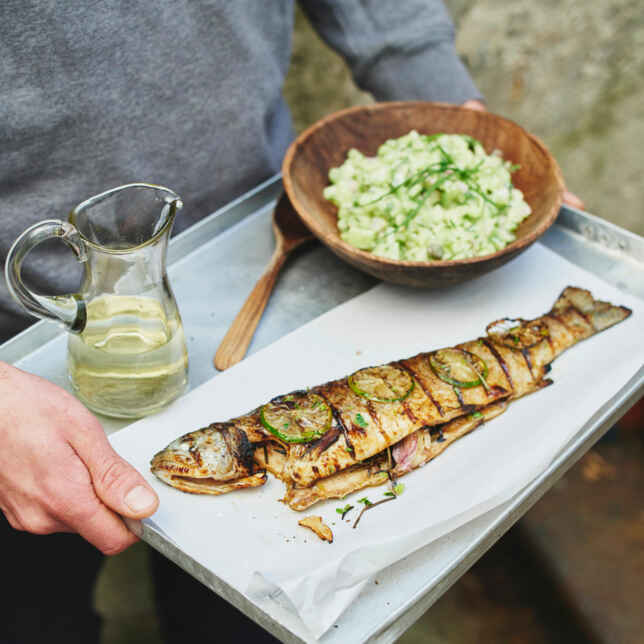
[(396, 50)]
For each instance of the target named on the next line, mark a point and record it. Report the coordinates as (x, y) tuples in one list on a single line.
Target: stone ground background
[(570, 71)]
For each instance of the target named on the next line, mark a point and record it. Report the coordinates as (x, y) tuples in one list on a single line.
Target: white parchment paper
[(253, 542)]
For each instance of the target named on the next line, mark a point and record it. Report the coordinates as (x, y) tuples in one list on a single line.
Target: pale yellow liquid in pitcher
[(130, 360)]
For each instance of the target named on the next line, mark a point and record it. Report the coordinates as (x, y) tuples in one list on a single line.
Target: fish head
[(220, 452)]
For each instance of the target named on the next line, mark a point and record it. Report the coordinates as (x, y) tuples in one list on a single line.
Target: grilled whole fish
[(516, 355)]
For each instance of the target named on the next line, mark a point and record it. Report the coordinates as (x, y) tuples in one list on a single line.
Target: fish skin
[(511, 374), (421, 444)]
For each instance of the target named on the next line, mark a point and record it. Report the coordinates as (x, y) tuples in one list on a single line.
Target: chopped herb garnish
[(343, 511), (361, 421), (399, 489), (477, 414), (389, 494), (364, 500), (370, 506)]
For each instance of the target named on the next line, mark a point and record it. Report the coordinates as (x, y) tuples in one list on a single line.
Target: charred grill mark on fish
[(356, 429), (421, 383), (526, 356), (436, 433), (557, 317), (240, 446), (550, 343), (338, 421), (197, 456), (406, 408), (441, 393), (408, 412), (325, 441), (499, 358), (578, 322), (376, 419)]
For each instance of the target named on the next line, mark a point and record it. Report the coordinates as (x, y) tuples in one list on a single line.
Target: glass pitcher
[(126, 353)]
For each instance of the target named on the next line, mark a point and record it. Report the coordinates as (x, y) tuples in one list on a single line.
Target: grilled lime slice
[(383, 384), (517, 334), (459, 368), (299, 417)]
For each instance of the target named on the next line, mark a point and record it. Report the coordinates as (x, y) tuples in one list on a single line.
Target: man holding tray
[(184, 94)]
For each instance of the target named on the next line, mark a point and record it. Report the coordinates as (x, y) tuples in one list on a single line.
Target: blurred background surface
[(569, 71), (572, 570)]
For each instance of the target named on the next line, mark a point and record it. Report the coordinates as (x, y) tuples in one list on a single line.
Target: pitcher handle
[(68, 309)]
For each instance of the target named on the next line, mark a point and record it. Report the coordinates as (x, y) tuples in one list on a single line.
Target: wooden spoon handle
[(235, 343)]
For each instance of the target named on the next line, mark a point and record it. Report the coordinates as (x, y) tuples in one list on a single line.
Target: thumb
[(122, 488), (116, 483)]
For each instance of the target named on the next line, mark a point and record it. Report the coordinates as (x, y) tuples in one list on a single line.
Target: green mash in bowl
[(427, 198)]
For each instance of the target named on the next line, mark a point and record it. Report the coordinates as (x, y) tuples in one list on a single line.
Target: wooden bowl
[(325, 145)]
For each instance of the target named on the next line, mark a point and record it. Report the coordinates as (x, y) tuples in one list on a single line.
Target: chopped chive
[(361, 421), (477, 414)]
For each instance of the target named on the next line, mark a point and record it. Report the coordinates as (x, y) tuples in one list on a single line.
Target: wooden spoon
[(290, 233)]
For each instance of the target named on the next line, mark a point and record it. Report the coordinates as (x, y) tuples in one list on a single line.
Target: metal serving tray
[(232, 247)]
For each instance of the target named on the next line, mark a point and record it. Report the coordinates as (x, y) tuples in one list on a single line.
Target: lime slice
[(299, 417), (382, 384), (459, 368), (517, 334)]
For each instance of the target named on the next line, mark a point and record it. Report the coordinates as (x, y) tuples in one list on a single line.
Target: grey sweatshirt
[(182, 93)]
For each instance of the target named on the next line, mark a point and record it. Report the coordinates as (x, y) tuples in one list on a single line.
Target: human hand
[(568, 197), (58, 472)]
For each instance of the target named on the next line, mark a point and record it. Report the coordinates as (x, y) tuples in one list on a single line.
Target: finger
[(474, 104), (116, 483), (573, 200), (103, 529), (35, 521)]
